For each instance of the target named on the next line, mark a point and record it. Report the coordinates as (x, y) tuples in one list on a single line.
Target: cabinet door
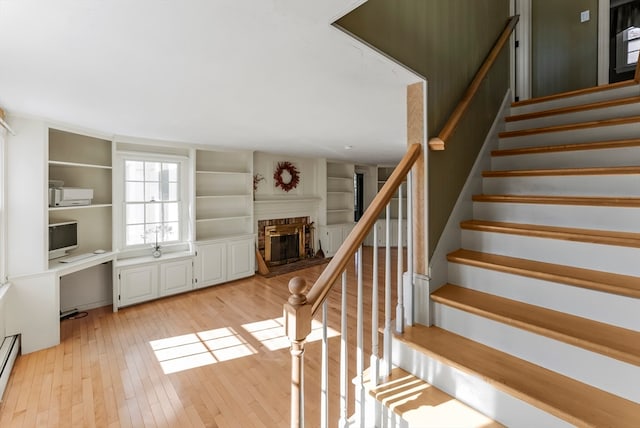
[(138, 284), (210, 264), (241, 258), (334, 235), (176, 277)]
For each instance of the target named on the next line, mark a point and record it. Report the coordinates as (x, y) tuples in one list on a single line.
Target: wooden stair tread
[(573, 109), (598, 145), (624, 285), (573, 93), (570, 127), (566, 398), (560, 200), (615, 170), (421, 404), (595, 236), (615, 342)]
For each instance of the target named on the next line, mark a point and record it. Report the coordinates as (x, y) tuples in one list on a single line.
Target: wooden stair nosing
[(573, 109), (574, 93), (566, 398), (593, 236), (570, 127), (607, 282), (612, 341), (598, 145), (614, 170), (560, 200)]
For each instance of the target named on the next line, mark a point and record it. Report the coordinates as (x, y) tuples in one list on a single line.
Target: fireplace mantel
[(265, 209)]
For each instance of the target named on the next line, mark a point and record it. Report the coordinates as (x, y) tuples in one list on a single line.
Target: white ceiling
[(270, 75)]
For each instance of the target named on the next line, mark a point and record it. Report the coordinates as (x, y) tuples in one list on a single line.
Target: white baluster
[(387, 295), (344, 381), (374, 369), (324, 376), (409, 305), (359, 387), (400, 305)]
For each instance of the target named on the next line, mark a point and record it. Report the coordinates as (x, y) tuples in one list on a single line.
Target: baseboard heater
[(8, 353)]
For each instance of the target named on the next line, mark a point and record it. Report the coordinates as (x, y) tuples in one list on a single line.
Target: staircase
[(539, 323)]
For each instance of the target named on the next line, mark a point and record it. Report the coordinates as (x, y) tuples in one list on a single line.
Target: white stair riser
[(557, 356), (627, 156), (473, 391), (607, 308), (609, 258), (587, 135), (621, 185), (612, 94), (575, 117), (621, 219)]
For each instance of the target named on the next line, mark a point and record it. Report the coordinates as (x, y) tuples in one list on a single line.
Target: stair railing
[(439, 142), (302, 307)]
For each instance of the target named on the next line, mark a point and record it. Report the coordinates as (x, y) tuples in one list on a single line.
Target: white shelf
[(340, 178), (201, 220), (342, 210), (340, 192), (79, 165), (222, 196), (224, 173), (80, 207)]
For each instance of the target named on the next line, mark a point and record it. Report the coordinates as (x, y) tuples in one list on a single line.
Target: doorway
[(624, 39)]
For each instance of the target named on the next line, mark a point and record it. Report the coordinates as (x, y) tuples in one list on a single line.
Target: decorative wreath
[(286, 181)]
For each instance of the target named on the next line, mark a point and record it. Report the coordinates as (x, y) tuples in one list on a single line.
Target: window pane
[(135, 235), (134, 170), (152, 191), (170, 171), (151, 231), (152, 171), (153, 213), (171, 211), (171, 232), (169, 191), (134, 192), (134, 214)]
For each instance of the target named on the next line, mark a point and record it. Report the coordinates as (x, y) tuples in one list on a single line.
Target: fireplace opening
[(284, 243)]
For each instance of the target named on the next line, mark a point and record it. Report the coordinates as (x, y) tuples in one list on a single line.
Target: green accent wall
[(446, 41)]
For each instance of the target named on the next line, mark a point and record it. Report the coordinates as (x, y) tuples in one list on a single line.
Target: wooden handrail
[(338, 263), (438, 143)]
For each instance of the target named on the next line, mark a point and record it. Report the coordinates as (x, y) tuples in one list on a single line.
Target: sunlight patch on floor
[(189, 351), (272, 335)]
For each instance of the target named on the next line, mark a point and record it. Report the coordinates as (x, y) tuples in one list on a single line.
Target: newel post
[(297, 319)]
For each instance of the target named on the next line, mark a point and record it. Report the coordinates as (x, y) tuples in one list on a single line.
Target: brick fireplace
[(284, 240)]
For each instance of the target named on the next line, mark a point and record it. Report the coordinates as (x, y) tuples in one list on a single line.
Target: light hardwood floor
[(213, 357)]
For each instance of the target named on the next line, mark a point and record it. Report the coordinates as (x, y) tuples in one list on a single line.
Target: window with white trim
[(153, 211)]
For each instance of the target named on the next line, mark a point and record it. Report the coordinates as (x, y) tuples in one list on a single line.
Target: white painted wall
[(266, 163), (27, 173)]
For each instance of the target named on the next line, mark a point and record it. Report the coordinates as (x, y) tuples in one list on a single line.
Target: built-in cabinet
[(224, 260), (384, 172), (332, 236), (223, 193), (85, 162), (339, 206), (340, 191), (140, 280)]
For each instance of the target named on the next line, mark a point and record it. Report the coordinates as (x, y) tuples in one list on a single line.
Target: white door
[(176, 277), (210, 264), (241, 258), (138, 284)]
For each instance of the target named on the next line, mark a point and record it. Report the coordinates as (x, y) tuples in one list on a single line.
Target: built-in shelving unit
[(384, 172), (85, 162), (340, 193), (224, 194)]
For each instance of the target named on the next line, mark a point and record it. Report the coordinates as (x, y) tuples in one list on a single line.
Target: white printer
[(69, 196)]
